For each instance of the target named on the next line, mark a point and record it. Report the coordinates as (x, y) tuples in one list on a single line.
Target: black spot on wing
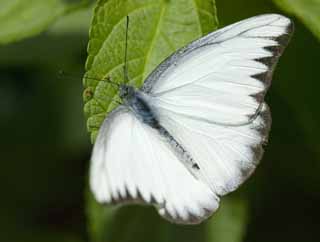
[(196, 166), (264, 77), (259, 96), (127, 198)]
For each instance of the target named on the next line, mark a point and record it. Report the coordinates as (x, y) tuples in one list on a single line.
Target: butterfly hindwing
[(226, 155), (132, 162)]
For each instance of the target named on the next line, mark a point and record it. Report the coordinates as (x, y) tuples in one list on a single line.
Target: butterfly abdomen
[(143, 111), (180, 151)]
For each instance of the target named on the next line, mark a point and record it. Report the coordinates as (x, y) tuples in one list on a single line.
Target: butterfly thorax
[(126, 92), (134, 99)]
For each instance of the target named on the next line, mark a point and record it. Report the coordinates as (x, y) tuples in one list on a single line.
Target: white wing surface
[(222, 78), (132, 162), (209, 96)]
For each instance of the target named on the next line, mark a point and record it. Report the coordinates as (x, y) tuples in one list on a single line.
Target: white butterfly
[(195, 130)]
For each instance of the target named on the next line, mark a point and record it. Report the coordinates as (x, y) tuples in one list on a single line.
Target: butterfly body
[(195, 130), (135, 100)]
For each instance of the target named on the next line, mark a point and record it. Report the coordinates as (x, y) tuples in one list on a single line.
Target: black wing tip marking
[(271, 61), (284, 39), (277, 50), (210, 39)]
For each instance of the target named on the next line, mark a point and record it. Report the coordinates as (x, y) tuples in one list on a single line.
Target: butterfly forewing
[(222, 77), (132, 163)]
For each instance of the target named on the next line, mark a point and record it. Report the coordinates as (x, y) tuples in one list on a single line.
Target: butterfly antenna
[(125, 68), (62, 75)]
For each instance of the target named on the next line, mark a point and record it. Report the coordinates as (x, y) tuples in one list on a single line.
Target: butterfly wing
[(222, 78), (209, 96), (132, 162), (225, 155)]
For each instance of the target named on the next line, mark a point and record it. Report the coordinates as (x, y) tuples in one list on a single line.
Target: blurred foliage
[(20, 18), (306, 10), (45, 149)]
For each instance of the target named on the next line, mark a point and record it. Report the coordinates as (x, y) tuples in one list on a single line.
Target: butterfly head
[(126, 92)]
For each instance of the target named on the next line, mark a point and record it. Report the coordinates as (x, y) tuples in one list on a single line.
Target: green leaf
[(308, 11), (157, 28), (20, 19)]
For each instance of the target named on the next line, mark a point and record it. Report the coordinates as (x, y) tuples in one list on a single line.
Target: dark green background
[(45, 147)]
